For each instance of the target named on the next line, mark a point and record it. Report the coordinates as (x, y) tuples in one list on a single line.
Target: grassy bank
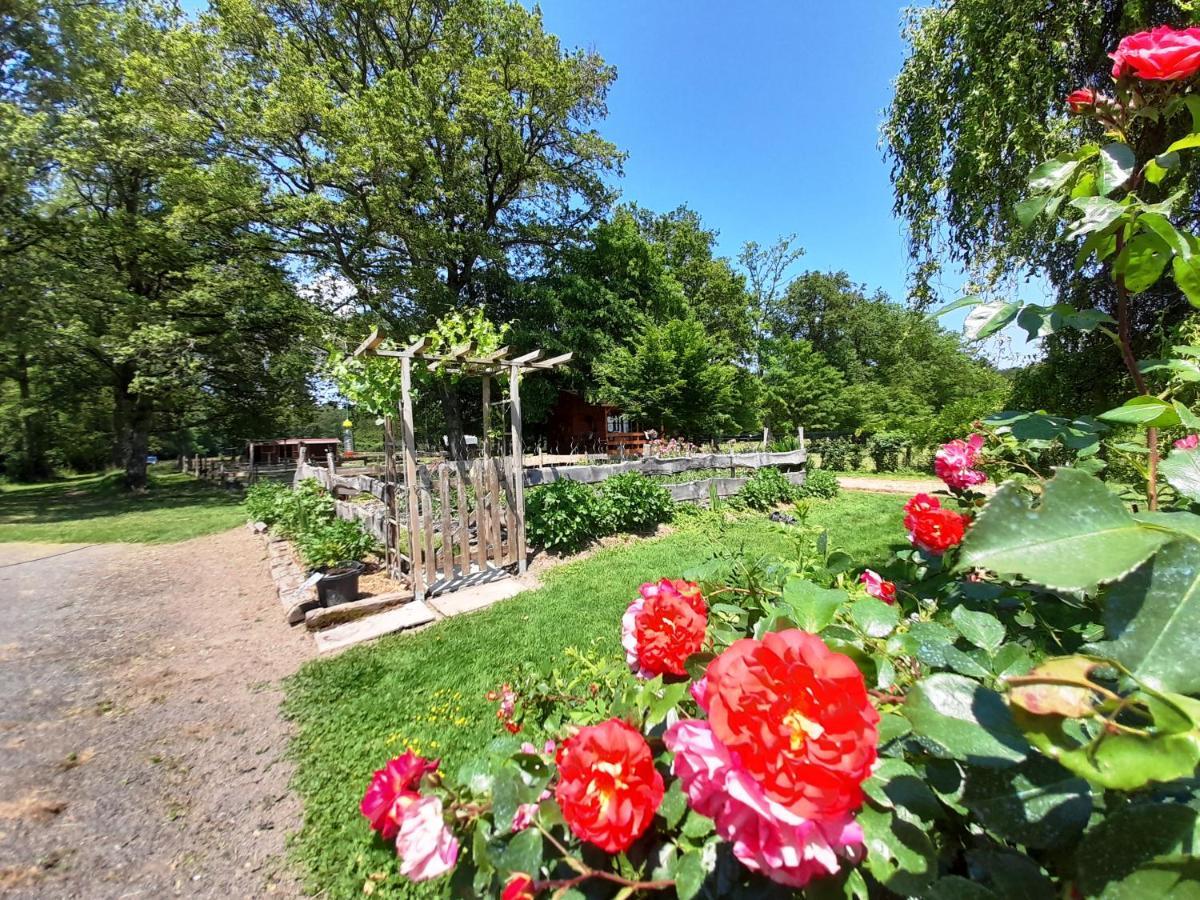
[(95, 509)]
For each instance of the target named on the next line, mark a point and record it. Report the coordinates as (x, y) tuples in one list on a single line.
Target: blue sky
[(763, 117)]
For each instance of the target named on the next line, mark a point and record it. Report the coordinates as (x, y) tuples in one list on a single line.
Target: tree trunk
[(452, 410), (35, 466), (131, 422)]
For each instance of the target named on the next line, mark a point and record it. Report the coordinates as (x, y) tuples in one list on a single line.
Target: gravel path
[(885, 485), (141, 746)]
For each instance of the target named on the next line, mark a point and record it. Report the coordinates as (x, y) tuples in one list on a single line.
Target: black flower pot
[(339, 584)]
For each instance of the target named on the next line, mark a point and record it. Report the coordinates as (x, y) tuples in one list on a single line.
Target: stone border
[(296, 598)]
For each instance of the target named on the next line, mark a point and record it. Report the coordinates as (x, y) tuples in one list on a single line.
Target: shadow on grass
[(103, 496)]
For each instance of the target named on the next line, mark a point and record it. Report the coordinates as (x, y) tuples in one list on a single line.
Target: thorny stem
[(585, 872), (1126, 345)]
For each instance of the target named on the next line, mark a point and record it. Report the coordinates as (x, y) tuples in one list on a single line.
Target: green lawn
[(426, 690), (94, 509)]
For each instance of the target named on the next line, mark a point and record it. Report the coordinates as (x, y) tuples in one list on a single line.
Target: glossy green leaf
[(1162, 227), (969, 300), (1117, 163), (955, 887), (689, 875), (1142, 260), (1053, 173), (1031, 207), (1038, 803), (1185, 143), (1098, 214), (1187, 277), (1143, 410), (521, 854), (988, 318), (1177, 522), (1173, 877), (896, 785), (810, 607), (899, 854), (1187, 418), (1080, 535), (1181, 469), (1152, 618), (965, 721), (876, 618), (981, 629), (1129, 838)]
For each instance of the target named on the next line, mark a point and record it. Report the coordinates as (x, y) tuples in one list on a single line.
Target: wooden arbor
[(448, 539)]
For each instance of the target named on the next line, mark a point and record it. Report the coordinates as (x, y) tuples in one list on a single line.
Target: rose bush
[(1008, 707)]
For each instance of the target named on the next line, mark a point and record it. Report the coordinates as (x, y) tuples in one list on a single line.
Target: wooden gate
[(464, 521)]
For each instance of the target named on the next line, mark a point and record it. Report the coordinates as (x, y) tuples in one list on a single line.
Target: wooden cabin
[(287, 450), (576, 426)]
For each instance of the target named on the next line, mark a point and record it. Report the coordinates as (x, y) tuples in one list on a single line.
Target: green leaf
[(810, 607), (981, 629), (955, 887), (1152, 619), (1031, 207), (899, 854), (521, 854), (1187, 418), (876, 618), (1181, 469), (1098, 214), (1130, 837), (1079, 536), (1175, 877), (1156, 170), (1176, 522), (674, 804), (965, 721), (1117, 163), (1187, 277), (1038, 803), (969, 300), (1170, 236), (1052, 174), (896, 784), (988, 318), (1013, 874), (689, 875), (1142, 260), (1185, 143), (1143, 410)]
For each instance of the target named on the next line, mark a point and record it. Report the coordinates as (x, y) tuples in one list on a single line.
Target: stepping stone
[(477, 597), (328, 616), (410, 615)]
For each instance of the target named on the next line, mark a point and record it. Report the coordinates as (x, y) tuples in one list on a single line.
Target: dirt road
[(141, 746)]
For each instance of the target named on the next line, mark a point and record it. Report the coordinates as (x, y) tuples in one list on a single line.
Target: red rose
[(397, 780), (668, 625), (1081, 100), (608, 788), (518, 887), (1163, 54), (798, 717), (932, 528)]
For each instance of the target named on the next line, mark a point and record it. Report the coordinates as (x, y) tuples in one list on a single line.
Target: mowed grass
[(426, 690), (91, 509)]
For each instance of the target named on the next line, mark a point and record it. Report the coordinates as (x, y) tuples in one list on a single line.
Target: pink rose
[(764, 835), (1162, 54), (699, 691), (399, 778), (953, 463), (877, 587), (629, 635), (425, 845), (1191, 442)]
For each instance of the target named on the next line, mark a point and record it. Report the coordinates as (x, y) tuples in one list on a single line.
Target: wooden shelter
[(283, 450), (449, 538)]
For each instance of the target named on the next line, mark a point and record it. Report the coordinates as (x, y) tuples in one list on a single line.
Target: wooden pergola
[(462, 359)]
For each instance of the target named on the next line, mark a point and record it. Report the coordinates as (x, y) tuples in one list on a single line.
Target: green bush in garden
[(562, 515), (266, 501), (840, 454), (885, 449), (766, 489), (634, 502), (329, 543), (304, 509), (819, 484)]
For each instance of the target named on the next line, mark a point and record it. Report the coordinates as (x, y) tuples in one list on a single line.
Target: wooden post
[(518, 465), (766, 437), (800, 435), (332, 468), (447, 533), (391, 527), (251, 475), (410, 477), (486, 442)]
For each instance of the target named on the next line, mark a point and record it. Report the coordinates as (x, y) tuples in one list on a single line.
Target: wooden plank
[(464, 523), (374, 339), (447, 531), (504, 476), (410, 478), (524, 358), (427, 525), (518, 463), (481, 536), (486, 442), (552, 362), (493, 489), (654, 466)]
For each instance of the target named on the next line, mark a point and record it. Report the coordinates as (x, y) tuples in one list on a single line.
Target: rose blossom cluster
[(779, 762), (399, 811), (1161, 54), (954, 463), (1191, 442), (931, 527), (663, 627), (507, 699)]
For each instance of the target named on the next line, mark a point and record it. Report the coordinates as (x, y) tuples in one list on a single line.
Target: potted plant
[(336, 550)]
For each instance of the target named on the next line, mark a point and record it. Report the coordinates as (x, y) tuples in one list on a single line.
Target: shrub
[(327, 544), (839, 453), (633, 502), (266, 501), (885, 448), (820, 484), (304, 509), (562, 515), (765, 489)]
